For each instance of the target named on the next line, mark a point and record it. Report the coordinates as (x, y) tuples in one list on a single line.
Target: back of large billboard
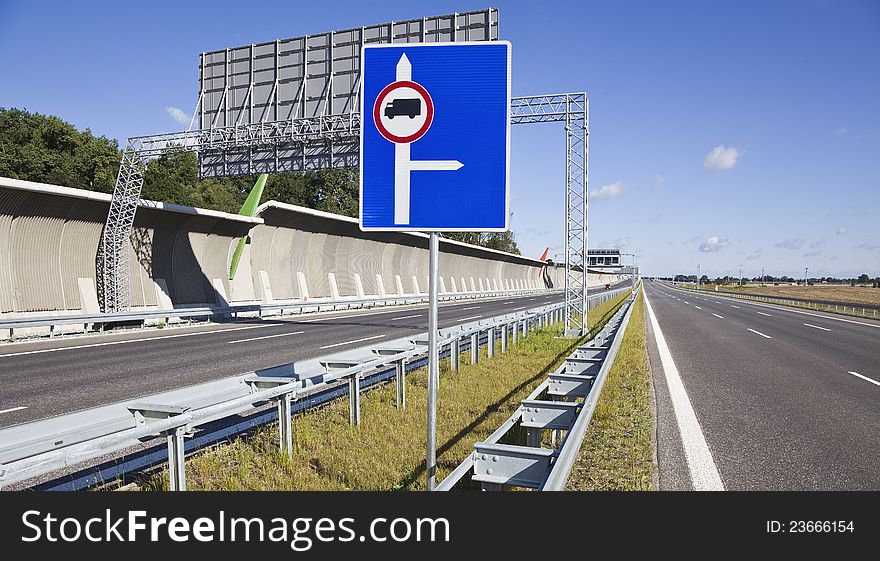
[(306, 77)]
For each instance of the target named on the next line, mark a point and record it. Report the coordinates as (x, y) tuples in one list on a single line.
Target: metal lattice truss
[(324, 142), (572, 109)]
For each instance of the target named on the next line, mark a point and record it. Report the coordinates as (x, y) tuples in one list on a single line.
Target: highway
[(783, 399), (49, 377)]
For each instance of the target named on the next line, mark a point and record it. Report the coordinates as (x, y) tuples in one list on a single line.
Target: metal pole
[(433, 362)]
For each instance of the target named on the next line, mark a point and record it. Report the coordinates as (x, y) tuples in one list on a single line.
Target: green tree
[(42, 148)]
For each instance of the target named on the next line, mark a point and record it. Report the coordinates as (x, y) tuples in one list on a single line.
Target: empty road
[(49, 377), (782, 398)]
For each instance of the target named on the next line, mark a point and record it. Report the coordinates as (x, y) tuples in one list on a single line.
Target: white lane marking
[(791, 310), (406, 317), (717, 302), (108, 343), (763, 314), (267, 337), (865, 378), (686, 302), (697, 307), (704, 473), (471, 308), (817, 327), (732, 306), (759, 333), (12, 409), (475, 317), (717, 316), (350, 342)]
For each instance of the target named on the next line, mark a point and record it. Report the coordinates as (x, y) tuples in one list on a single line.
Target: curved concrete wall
[(49, 238), (296, 242)]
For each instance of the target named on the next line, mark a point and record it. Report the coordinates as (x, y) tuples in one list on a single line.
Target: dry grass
[(387, 451), (847, 295), (617, 450)]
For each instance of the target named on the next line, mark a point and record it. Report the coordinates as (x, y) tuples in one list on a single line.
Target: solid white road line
[(267, 337), (817, 327), (865, 378), (109, 343), (717, 316), (697, 307), (12, 409), (763, 314), (759, 333), (474, 317), (406, 317), (350, 342), (704, 473)]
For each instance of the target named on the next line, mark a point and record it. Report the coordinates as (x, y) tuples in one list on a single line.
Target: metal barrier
[(565, 401), (206, 312), (41, 447)]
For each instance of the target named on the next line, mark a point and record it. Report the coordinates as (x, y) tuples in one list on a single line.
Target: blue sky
[(724, 134)]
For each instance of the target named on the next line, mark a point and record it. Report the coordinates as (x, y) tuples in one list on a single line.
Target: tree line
[(46, 149)]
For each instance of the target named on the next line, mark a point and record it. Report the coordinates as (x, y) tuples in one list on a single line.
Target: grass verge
[(617, 450), (387, 451)]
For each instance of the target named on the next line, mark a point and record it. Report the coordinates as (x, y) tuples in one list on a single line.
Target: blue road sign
[(435, 136)]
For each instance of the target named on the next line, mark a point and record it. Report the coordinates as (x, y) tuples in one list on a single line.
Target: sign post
[(435, 151)]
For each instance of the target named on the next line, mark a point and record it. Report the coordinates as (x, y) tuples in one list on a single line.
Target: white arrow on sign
[(403, 165)]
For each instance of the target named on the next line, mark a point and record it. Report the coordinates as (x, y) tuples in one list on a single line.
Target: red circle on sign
[(377, 111)]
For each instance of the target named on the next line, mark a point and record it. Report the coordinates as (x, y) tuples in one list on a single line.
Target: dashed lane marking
[(351, 342), (856, 374)]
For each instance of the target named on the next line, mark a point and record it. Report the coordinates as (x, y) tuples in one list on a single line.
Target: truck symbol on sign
[(403, 106)]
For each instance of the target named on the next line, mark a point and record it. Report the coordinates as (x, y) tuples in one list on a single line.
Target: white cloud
[(608, 191), (791, 243), (842, 131), (178, 115), (841, 231), (714, 243), (754, 255), (814, 253), (721, 157), (658, 180)]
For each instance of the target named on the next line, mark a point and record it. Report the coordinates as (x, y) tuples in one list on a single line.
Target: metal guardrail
[(791, 302), (207, 312), (565, 401), (41, 447)]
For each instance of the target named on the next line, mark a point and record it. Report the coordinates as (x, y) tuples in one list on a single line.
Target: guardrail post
[(533, 437), (285, 425), (490, 344), (401, 383), (515, 332), (176, 459), (354, 399), (504, 329), (475, 348), (455, 354)]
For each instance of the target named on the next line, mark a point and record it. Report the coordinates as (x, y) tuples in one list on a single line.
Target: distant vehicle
[(607, 285), (403, 106)]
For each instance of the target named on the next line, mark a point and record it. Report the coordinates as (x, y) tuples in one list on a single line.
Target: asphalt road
[(786, 399), (46, 378)]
